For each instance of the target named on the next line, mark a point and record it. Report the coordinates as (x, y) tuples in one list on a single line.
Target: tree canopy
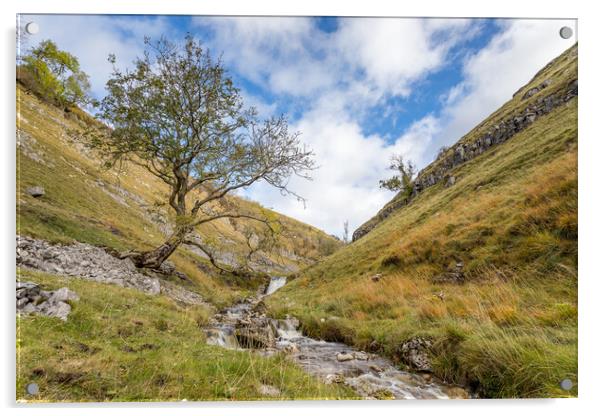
[(178, 114), (403, 180), (57, 75)]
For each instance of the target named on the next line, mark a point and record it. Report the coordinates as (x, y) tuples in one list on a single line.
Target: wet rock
[(36, 191), (270, 391), (374, 346), (360, 355), (291, 348), (344, 356), (415, 353), (257, 333), (334, 379), (457, 393), (376, 368)]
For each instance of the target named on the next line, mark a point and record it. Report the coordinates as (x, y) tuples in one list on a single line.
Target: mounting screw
[(566, 384), (33, 389), (32, 28), (566, 32)]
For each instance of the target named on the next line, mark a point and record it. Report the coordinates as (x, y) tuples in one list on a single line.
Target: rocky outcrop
[(414, 353), (463, 151), (31, 299), (454, 275), (93, 263)]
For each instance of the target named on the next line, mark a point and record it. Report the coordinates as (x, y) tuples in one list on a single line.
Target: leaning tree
[(178, 115)]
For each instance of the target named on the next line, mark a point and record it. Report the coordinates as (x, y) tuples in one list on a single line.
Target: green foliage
[(77, 208), (402, 181), (178, 115), (121, 345), (57, 75)]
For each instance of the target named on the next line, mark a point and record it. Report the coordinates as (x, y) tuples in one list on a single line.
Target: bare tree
[(346, 231), (178, 115)]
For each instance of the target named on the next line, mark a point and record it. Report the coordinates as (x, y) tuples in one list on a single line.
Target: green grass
[(511, 218), (76, 208), (121, 345)]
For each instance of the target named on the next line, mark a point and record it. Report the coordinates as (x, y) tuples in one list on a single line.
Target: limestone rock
[(270, 391), (257, 333), (455, 275), (344, 356), (414, 353), (36, 191), (31, 299), (94, 263)]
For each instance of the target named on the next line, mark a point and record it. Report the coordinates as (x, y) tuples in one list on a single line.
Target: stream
[(370, 375)]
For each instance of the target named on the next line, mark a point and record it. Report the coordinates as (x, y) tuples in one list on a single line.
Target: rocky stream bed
[(246, 326)]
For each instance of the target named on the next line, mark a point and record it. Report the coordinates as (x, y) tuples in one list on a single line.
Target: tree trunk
[(153, 259)]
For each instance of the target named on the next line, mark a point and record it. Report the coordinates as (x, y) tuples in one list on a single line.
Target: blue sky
[(358, 89)]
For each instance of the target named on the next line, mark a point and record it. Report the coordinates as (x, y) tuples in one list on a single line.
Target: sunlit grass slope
[(511, 218), (121, 345), (119, 209)]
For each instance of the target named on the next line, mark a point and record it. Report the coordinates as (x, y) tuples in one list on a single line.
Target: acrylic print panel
[(171, 246)]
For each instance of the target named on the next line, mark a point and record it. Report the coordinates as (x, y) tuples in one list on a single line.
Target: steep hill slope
[(481, 262), (127, 209), (133, 339)]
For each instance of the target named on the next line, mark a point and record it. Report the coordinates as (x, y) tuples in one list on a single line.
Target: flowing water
[(370, 375), (275, 284)]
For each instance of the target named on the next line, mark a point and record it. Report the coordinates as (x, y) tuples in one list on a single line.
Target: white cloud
[(92, 38), (336, 78), (394, 52), (498, 70), (341, 75), (279, 53), (346, 185)]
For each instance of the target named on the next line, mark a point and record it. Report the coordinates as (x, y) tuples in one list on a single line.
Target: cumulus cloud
[(394, 52), (283, 53), (93, 37), (340, 76), (335, 80), (495, 72), (352, 163)]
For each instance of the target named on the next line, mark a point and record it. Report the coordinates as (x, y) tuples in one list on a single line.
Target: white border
[(590, 206)]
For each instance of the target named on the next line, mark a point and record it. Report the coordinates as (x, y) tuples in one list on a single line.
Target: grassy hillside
[(127, 209), (121, 345), (510, 220)]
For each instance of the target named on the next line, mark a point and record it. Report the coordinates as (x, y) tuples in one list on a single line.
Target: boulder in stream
[(257, 333), (344, 356), (414, 353)]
